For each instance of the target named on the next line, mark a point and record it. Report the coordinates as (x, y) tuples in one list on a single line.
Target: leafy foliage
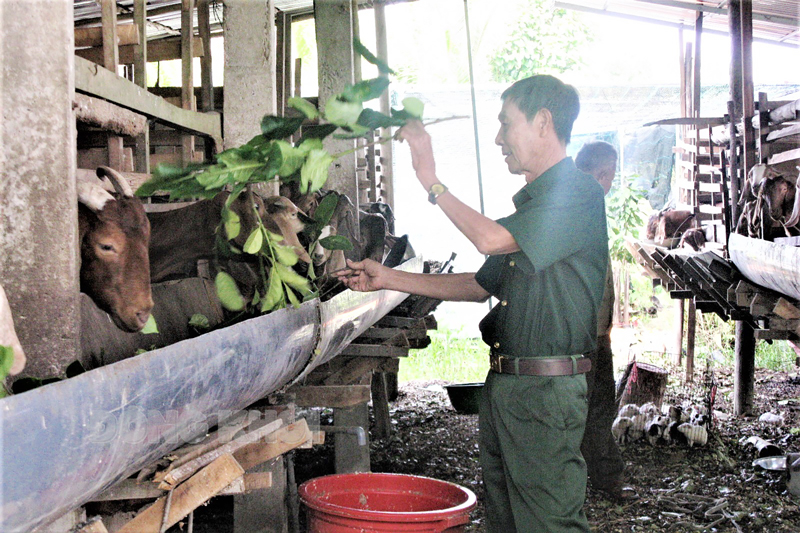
[(6, 361), (546, 40), (625, 218)]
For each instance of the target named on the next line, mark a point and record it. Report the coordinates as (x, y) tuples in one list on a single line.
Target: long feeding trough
[(771, 265), (65, 443)]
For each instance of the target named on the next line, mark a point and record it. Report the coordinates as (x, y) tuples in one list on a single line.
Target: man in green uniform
[(546, 267)]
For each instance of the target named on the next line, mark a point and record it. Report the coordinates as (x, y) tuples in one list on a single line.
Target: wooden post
[(679, 333), (385, 186), (691, 325), (108, 10), (142, 152), (744, 369), (380, 406), (187, 73), (207, 83), (735, 30), (696, 92), (283, 61)]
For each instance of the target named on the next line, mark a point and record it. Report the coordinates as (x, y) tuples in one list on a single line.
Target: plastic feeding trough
[(347, 503), (465, 397), (65, 443)]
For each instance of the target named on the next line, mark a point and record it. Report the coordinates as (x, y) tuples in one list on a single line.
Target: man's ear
[(543, 120)]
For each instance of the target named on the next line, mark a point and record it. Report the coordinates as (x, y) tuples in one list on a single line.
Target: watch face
[(437, 188)]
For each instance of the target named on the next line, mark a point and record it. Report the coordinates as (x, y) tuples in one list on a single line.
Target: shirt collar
[(538, 188)]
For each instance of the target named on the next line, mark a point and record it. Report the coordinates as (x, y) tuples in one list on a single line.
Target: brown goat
[(114, 238), (182, 237)]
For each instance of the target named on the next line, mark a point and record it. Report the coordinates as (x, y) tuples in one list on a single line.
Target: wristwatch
[(436, 190)]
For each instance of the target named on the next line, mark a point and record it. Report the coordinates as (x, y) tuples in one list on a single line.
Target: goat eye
[(106, 247)]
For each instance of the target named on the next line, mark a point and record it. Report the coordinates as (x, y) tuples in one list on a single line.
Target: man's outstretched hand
[(364, 276)]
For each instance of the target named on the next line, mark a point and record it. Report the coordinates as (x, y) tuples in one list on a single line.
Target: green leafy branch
[(268, 157)]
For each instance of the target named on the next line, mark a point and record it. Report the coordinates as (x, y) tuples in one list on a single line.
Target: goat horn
[(119, 182), (92, 195)]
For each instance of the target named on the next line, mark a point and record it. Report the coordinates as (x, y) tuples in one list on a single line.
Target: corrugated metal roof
[(773, 20)]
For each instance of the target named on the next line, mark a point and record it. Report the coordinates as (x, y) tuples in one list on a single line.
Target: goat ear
[(93, 196)]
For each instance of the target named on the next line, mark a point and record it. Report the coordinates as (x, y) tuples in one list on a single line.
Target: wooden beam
[(103, 84), (142, 152), (109, 34), (108, 116), (86, 37), (330, 395), (187, 497), (375, 350), (130, 489), (187, 74), (135, 179), (160, 50)]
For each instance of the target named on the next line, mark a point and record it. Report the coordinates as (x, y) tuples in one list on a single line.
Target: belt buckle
[(496, 364)]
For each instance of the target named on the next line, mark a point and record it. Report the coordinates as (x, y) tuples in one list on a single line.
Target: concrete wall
[(39, 262)]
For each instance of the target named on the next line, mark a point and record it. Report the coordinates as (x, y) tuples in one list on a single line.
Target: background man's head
[(532, 94), (600, 160)]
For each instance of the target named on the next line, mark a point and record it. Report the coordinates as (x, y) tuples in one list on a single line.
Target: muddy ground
[(710, 488)]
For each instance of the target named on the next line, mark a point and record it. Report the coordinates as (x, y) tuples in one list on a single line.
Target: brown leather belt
[(540, 366)]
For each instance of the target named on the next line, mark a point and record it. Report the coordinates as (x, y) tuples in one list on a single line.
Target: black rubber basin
[(465, 397)]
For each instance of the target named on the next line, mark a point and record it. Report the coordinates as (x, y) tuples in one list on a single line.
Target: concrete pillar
[(39, 261), (263, 511), (334, 28)]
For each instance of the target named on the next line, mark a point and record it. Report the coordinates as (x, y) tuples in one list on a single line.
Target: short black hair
[(595, 154), (547, 92)]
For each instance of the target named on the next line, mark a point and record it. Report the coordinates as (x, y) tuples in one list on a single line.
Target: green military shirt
[(550, 291)]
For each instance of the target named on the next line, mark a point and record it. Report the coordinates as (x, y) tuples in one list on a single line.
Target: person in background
[(603, 459), (546, 267)]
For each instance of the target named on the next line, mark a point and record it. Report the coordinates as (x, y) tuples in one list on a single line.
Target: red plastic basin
[(370, 502)]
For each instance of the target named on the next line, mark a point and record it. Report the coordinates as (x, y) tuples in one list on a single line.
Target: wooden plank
[(397, 322), (375, 350), (782, 157), (184, 471), (352, 371), (783, 324), (135, 179), (284, 440), (108, 9), (330, 395), (95, 525), (130, 489), (104, 84), (745, 292), (159, 50), (770, 334), (784, 309), (187, 497), (782, 133), (86, 37), (108, 116), (762, 304)]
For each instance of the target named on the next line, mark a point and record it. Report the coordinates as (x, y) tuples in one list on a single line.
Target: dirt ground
[(709, 488)]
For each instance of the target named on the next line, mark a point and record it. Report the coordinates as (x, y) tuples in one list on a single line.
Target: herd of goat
[(124, 248), (676, 424)]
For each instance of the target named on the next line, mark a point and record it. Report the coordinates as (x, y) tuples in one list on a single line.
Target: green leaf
[(233, 224), (150, 326), (304, 106), (292, 278), (228, 292), (292, 298), (402, 114), (362, 50), (413, 106), (199, 321), (286, 255), (292, 158), (318, 131), (342, 112), (336, 242), (254, 242), (314, 172), (274, 237), (306, 145), (274, 293), (325, 209), (372, 120), (6, 360), (273, 127), (364, 90)]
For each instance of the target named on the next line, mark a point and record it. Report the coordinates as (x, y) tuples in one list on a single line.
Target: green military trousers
[(530, 436)]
